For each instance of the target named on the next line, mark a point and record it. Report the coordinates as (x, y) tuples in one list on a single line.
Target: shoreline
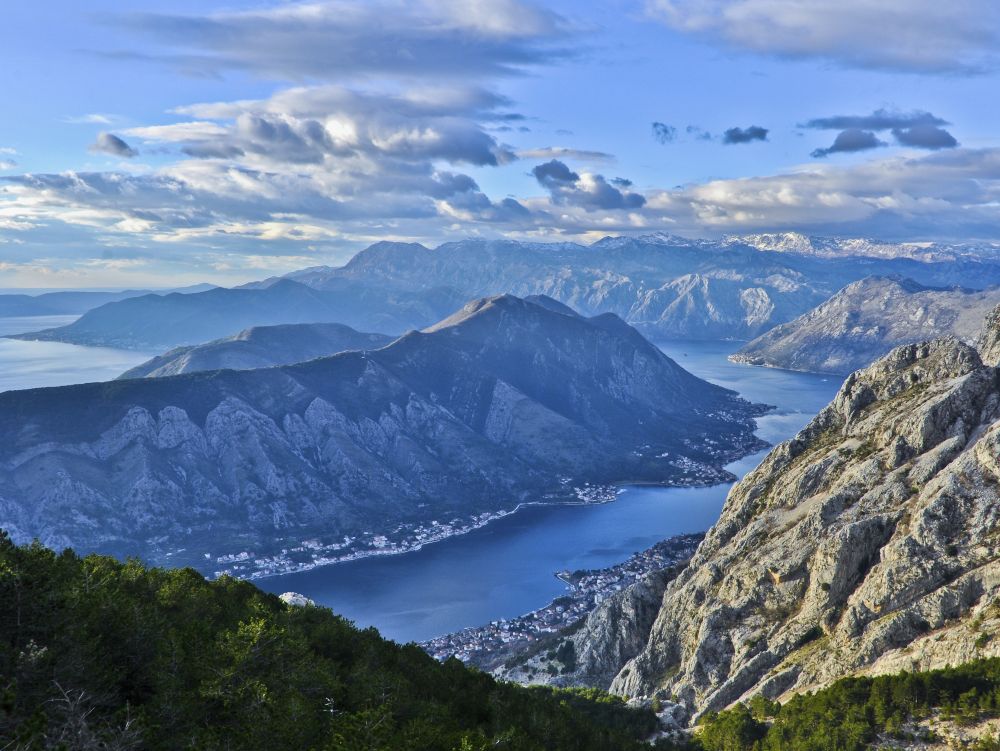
[(618, 487), (490, 645), (361, 555)]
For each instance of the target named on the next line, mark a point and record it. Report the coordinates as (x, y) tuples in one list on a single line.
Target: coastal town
[(404, 538), (303, 555), (488, 646)]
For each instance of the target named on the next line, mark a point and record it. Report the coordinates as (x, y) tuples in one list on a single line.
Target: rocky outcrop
[(869, 542), (260, 347), (505, 401), (613, 633), (988, 343), (864, 321)]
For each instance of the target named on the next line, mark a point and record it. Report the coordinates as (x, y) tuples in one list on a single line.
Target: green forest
[(99, 654), (853, 712)]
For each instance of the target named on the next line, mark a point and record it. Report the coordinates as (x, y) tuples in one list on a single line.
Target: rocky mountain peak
[(870, 542)]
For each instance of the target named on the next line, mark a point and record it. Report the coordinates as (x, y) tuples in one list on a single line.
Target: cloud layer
[(337, 40), (920, 36)]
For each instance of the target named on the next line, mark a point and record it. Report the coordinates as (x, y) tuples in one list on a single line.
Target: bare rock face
[(864, 321), (613, 633), (869, 542), (505, 401), (989, 340)]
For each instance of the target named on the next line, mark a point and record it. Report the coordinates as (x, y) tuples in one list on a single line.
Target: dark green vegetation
[(97, 654), (853, 712)]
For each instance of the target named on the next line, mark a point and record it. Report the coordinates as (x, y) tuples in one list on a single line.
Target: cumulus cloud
[(923, 36), (664, 133), (6, 164), (109, 143), (850, 141), (315, 125), (586, 190), (925, 137), (328, 40), (696, 131), (744, 135)]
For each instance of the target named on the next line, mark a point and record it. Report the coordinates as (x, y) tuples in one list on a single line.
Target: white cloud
[(952, 195), (924, 36), (211, 204)]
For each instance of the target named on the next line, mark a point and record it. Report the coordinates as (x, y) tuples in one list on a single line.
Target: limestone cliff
[(869, 542)]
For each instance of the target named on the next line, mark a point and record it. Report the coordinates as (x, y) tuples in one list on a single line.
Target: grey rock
[(870, 542), (864, 321)]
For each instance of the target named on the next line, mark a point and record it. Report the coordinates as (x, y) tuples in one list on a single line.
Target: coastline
[(690, 474), (491, 645), (610, 495)]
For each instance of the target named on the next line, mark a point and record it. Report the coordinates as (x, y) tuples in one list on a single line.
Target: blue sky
[(187, 141)]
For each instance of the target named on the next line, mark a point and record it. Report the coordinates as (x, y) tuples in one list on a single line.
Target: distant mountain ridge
[(260, 347), (839, 247), (70, 302), (506, 401), (668, 287), (865, 320), (160, 322)]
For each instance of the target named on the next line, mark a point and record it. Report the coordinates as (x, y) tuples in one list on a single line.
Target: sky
[(161, 142)]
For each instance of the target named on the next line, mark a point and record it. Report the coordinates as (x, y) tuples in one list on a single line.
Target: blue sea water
[(507, 568), (26, 365)]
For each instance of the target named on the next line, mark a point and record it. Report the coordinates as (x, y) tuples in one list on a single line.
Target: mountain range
[(865, 320), (839, 247), (504, 402), (668, 287)]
